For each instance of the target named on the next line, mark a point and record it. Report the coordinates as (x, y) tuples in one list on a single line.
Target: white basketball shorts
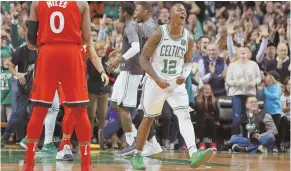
[(153, 97), (125, 89)]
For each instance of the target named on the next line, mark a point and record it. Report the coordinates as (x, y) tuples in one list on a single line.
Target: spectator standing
[(271, 95), (98, 93), (242, 78)]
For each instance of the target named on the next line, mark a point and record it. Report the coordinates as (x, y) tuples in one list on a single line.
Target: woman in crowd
[(98, 93), (207, 115), (242, 78)]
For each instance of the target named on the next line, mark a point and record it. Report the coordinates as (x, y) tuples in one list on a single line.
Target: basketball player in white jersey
[(166, 59)]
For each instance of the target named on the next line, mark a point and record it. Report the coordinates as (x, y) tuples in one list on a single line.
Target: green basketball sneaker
[(23, 143), (49, 148), (137, 162), (200, 157)]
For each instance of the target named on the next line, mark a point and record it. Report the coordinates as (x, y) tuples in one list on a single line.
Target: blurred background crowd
[(219, 29)]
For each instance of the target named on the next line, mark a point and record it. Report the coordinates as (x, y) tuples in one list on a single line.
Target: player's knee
[(147, 122)]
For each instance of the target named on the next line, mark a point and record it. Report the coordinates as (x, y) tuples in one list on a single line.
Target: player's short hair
[(128, 7), (145, 5), (174, 5)]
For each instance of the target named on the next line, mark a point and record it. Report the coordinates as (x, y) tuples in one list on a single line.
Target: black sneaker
[(237, 148)]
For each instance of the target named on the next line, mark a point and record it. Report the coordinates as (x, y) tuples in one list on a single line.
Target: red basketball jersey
[(59, 22)]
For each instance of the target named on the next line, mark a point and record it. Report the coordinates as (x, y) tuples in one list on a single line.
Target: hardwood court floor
[(12, 160)]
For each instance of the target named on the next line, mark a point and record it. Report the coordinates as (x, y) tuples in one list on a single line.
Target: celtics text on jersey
[(168, 58)]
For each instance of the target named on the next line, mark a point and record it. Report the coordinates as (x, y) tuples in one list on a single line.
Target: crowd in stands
[(242, 50)]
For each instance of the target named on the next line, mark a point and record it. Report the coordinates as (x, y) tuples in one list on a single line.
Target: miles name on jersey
[(62, 4)]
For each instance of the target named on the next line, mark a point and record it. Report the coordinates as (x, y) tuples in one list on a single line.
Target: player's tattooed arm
[(148, 51), (86, 22), (33, 25)]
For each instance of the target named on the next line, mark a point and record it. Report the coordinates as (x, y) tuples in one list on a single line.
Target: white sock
[(136, 151), (129, 138), (186, 129), (134, 131), (192, 150), (50, 121)]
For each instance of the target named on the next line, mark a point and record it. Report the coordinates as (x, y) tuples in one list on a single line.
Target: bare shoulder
[(151, 44), (82, 5), (157, 32)]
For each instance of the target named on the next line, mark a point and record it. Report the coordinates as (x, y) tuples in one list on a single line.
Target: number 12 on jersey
[(169, 66)]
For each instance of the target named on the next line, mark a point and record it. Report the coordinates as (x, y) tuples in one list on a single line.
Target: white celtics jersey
[(168, 58)]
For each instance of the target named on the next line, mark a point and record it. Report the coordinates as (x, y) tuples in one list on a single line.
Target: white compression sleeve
[(50, 120), (187, 68), (135, 48)]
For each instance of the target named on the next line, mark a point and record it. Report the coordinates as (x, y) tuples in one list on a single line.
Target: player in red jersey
[(55, 28)]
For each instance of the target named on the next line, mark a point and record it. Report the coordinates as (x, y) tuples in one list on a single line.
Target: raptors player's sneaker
[(65, 154)]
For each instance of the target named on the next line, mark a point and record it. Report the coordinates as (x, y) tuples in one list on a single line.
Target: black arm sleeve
[(32, 32)]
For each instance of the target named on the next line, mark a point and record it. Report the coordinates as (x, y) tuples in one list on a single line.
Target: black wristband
[(32, 32)]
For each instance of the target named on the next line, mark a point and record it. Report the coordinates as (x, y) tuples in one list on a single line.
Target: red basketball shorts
[(60, 64)]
